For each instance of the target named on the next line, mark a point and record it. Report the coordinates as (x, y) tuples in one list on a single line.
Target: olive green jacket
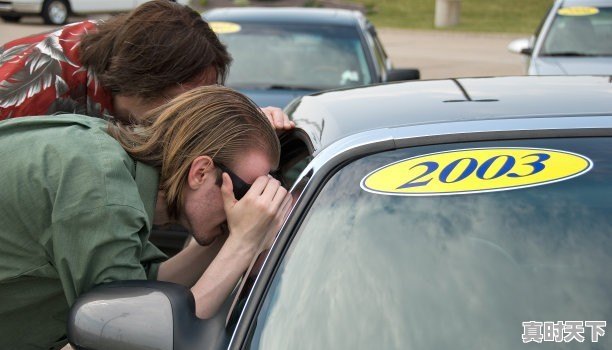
[(75, 212)]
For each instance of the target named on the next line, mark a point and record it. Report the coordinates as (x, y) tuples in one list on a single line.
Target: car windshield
[(376, 271), (587, 34), (295, 56)]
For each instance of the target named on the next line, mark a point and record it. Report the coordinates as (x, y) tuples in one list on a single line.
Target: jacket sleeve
[(103, 244)]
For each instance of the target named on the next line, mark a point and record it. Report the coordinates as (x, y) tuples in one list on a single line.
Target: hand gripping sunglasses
[(240, 186)]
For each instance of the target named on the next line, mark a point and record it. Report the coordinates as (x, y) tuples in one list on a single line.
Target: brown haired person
[(121, 68), (70, 220)]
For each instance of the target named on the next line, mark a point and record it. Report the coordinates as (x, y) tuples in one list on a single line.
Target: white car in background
[(57, 11), (575, 38)]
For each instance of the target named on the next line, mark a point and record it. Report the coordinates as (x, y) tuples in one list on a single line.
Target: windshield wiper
[(293, 87), (570, 54), (257, 86)]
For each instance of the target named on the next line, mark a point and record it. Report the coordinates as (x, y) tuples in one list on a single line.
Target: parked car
[(283, 53), (434, 215), (57, 11), (574, 38)]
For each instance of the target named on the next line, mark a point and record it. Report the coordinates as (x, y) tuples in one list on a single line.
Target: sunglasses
[(240, 186)]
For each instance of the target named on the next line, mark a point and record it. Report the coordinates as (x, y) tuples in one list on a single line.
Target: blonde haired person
[(80, 197)]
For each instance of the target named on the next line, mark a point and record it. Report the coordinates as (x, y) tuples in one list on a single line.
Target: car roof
[(299, 15), (330, 116), (597, 3)]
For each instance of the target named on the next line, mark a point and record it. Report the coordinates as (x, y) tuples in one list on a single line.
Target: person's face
[(203, 210)]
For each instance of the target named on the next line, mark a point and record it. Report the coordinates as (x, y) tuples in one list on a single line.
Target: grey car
[(574, 38), (447, 214), (283, 53)]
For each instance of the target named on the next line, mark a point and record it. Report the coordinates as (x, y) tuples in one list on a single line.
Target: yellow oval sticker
[(224, 27), (578, 11), (475, 170)]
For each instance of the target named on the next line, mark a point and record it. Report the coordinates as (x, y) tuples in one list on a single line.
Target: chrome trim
[(461, 131)]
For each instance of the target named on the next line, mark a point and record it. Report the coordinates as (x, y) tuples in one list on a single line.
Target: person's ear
[(201, 167)]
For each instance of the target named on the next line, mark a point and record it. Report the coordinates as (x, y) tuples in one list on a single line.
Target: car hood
[(571, 66), (275, 97)]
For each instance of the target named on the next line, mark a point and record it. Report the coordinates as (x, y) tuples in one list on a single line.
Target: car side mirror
[(403, 74), (139, 315), (520, 46)]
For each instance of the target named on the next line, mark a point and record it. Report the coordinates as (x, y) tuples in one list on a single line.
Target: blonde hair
[(210, 120)]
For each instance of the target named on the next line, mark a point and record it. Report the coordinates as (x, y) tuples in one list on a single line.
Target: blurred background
[(475, 46), (517, 16)]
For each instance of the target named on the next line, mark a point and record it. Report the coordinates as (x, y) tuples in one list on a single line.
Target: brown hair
[(208, 120), (157, 45)]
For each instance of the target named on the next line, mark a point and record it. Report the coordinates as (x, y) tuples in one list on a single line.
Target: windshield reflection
[(588, 35), (456, 272), (295, 56)]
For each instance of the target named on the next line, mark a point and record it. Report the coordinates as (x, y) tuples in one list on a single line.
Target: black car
[(283, 53), (448, 214)]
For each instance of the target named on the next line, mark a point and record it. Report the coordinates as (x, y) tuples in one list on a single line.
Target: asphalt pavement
[(441, 54), (438, 54)]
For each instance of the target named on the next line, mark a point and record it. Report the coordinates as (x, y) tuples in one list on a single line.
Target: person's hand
[(261, 211), (279, 120)]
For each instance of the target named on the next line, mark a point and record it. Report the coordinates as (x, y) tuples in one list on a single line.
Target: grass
[(509, 16)]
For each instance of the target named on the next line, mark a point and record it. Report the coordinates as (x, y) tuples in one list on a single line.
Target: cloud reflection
[(456, 272)]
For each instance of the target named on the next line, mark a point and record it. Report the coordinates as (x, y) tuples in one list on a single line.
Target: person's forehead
[(251, 164)]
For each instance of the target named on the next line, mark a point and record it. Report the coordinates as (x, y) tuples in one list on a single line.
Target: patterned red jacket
[(42, 75)]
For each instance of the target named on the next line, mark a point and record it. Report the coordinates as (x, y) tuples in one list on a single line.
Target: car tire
[(11, 18), (55, 12)]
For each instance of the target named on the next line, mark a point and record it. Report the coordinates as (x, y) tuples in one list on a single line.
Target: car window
[(294, 55), (375, 271), (295, 156), (586, 34)]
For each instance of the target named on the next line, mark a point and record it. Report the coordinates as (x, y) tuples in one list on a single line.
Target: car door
[(87, 6)]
